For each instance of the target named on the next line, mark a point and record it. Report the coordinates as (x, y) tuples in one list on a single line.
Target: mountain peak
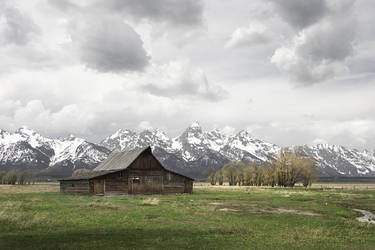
[(244, 133), (122, 132), (26, 130), (195, 125)]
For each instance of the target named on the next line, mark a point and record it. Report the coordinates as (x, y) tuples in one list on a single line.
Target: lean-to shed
[(133, 172)]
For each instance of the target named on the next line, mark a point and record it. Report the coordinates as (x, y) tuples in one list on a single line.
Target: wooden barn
[(134, 172)]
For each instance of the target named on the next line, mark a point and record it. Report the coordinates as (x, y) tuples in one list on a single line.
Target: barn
[(133, 172)]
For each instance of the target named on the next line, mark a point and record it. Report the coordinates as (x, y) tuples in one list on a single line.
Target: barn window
[(136, 180), (72, 184)]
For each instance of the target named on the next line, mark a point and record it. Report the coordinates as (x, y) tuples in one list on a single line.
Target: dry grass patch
[(150, 201), (294, 211), (33, 188)]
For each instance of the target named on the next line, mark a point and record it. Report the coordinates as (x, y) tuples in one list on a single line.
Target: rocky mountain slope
[(25, 149), (195, 152)]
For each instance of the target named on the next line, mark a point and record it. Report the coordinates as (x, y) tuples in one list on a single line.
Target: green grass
[(248, 218)]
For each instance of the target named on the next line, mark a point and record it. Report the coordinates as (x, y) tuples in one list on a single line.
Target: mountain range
[(195, 152)]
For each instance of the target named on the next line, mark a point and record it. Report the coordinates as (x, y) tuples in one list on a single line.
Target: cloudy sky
[(290, 71)]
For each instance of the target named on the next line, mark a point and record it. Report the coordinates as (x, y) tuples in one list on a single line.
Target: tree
[(219, 176), (285, 170), (2, 175), (229, 171), (212, 177), (11, 177), (308, 171), (29, 177), (292, 167), (21, 178)]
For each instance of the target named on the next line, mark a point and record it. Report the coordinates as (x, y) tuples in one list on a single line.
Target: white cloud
[(228, 130), (143, 125), (254, 34)]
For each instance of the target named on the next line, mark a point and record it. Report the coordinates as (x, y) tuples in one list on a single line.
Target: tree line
[(285, 170), (13, 177)]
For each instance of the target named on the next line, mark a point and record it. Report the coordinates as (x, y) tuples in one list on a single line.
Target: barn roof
[(89, 175), (117, 161), (121, 160)]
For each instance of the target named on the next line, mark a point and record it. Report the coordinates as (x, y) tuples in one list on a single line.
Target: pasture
[(39, 217)]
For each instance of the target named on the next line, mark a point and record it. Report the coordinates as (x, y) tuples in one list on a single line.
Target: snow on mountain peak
[(195, 125), (195, 150)]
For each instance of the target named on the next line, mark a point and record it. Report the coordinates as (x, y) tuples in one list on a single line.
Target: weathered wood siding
[(146, 161), (173, 183), (146, 181), (116, 183), (75, 187)]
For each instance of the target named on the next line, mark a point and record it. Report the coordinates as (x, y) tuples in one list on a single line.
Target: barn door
[(99, 186), (135, 185), (145, 185), (157, 184)]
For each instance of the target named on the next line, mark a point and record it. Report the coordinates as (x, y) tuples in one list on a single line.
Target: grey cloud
[(181, 79), (300, 14), (175, 12), (64, 5), (106, 43), (18, 28), (318, 52), (188, 88)]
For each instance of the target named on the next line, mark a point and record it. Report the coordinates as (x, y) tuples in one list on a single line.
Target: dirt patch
[(150, 217), (225, 209), (171, 221), (198, 214), (268, 212), (150, 201), (293, 211), (216, 203)]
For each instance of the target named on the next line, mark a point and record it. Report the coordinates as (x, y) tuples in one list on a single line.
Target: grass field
[(38, 217)]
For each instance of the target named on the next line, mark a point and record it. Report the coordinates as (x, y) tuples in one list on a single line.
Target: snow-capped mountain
[(339, 160), (28, 150), (195, 152)]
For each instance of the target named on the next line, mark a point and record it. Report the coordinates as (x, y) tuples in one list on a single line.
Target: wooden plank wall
[(116, 183), (145, 161), (75, 187), (173, 183)]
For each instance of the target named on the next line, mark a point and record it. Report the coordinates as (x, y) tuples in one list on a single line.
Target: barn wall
[(188, 186), (117, 183), (174, 183), (146, 161), (145, 181), (75, 187)]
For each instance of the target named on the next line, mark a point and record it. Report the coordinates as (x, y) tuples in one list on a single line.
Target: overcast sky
[(290, 71)]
